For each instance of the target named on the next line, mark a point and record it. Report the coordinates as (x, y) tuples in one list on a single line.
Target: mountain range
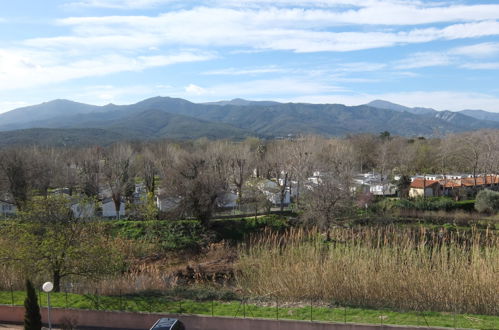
[(64, 122)]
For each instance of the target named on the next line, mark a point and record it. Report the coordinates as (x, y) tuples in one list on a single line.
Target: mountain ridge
[(176, 118)]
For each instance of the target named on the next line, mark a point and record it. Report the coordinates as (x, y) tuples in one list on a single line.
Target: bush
[(487, 201), (32, 317), (170, 235), (424, 204)]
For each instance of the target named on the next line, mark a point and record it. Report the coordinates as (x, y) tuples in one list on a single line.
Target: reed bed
[(381, 267)]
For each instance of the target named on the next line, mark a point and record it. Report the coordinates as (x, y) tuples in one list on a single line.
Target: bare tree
[(197, 179), (89, 171), (332, 195), (15, 167), (119, 173)]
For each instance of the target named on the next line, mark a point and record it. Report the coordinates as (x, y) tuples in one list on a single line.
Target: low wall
[(127, 320)]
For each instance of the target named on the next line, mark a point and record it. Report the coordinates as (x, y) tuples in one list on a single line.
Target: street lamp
[(48, 287)]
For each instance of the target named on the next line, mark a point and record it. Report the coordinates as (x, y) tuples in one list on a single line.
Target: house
[(424, 188), (466, 184), (139, 194), (7, 208), (229, 200), (272, 191), (83, 210), (375, 184), (109, 209), (383, 189), (166, 203)]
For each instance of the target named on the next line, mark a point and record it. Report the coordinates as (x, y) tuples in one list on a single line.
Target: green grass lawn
[(155, 303)]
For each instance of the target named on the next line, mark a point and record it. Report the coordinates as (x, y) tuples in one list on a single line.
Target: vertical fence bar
[(244, 307), (277, 308), (311, 311), (96, 299), (345, 314), (12, 294), (66, 298), (121, 301), (212, 307)]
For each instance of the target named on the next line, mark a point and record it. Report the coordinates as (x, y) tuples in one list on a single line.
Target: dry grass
[(391, 267)]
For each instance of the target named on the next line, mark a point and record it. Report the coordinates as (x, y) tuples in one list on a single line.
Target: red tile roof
[(418, 183)]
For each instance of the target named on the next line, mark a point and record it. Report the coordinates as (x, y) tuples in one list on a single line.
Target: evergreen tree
[(32, 316)]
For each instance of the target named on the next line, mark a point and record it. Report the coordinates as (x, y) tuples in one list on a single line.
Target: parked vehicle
[(168, 324)]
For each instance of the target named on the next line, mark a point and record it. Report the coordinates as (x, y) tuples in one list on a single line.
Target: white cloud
[(21, 68), (359, 67), (313, 12), (119, 4), (481, 50), (248, 71), (424, 59), (195, 89), (481, 66), (263, 88), (297, 30)]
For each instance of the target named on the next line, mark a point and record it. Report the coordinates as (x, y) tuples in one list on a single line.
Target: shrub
[(32, 317), (487, 201)]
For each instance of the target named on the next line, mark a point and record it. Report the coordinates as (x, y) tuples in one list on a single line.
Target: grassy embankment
[(269, 310)]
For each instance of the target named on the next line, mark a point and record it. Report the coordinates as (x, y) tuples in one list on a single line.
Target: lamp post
[(48, 287)]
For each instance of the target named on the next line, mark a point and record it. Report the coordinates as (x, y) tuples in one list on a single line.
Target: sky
[(439, 54)]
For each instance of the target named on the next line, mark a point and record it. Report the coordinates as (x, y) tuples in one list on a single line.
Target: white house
[(140, 193), (7, 208), (83, 210), (272, 191), (109, 209), (228, 200), (166, 204), (383, 189)]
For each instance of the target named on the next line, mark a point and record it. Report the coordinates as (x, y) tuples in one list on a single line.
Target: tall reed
[(401, 268)]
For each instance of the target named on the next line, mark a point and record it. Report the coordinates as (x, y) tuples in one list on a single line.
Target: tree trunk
[(117, 206), (56, 278)]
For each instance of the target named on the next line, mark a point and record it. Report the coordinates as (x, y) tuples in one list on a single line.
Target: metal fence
[(251, 307)]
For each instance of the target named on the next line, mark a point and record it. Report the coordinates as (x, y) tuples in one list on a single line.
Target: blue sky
[(441, 54)]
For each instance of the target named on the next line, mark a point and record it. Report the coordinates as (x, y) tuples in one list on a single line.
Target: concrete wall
[(127, 320)]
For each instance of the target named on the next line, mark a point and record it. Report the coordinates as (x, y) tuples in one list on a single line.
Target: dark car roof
[(164, 324)]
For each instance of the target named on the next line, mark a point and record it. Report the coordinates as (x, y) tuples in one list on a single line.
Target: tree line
[(197, 174)]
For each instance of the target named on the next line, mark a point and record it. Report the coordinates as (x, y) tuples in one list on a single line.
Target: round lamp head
[(48, 286)]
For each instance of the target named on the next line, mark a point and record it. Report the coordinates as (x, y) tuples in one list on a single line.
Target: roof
[(420, 183)]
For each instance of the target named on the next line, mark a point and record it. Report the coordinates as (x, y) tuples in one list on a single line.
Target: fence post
[(244, 307), (311, 310), (277, 308), (96, 299), (345, 309), (12, 294), (212, 306), (66, 298)]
